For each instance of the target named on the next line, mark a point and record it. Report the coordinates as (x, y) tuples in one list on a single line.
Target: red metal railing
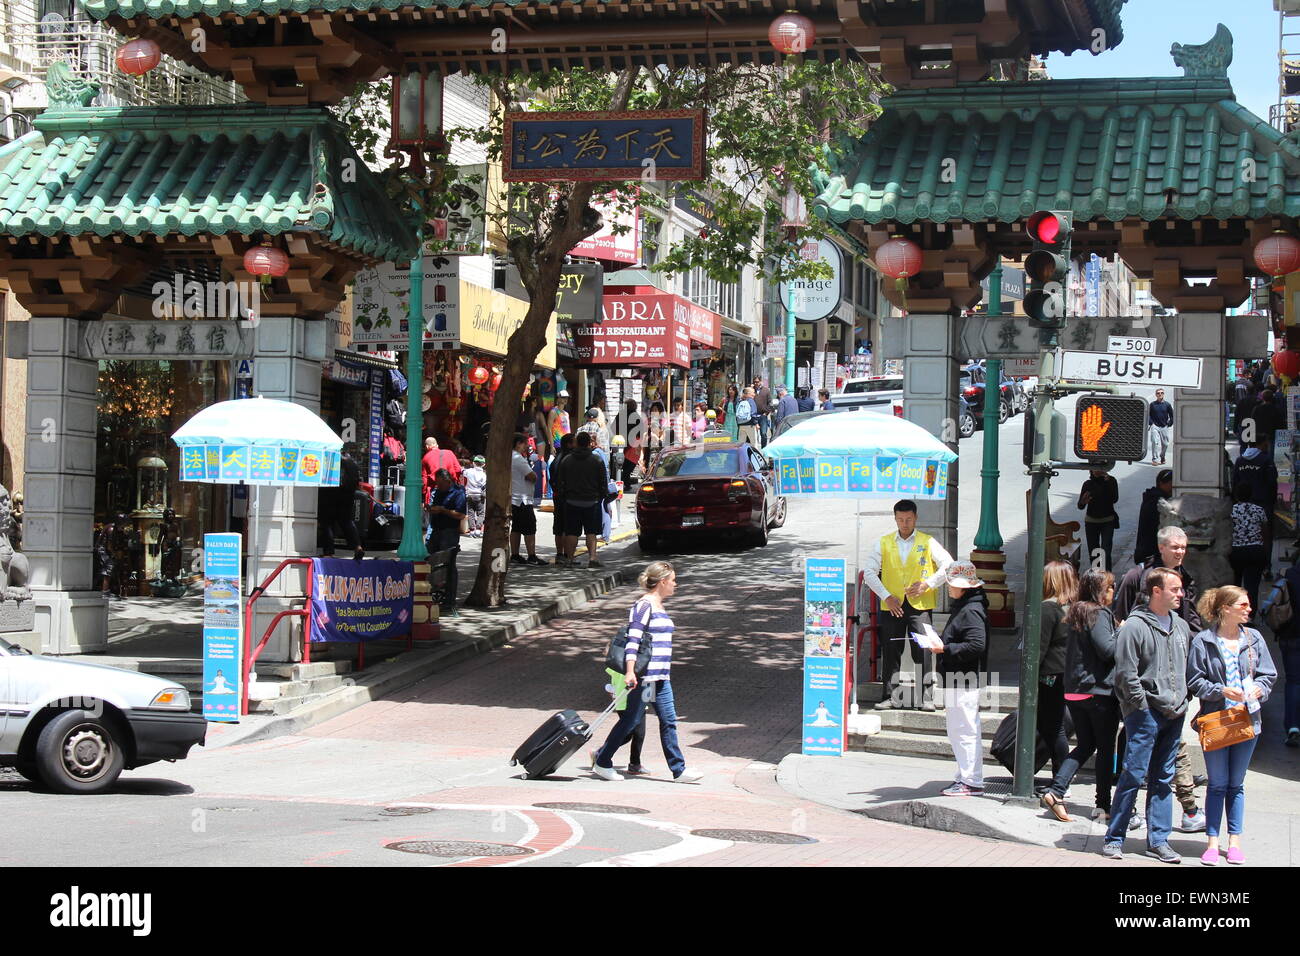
[(252, 653), (866, 625)]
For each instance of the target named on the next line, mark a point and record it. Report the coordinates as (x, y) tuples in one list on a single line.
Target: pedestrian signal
[(1110, 428)]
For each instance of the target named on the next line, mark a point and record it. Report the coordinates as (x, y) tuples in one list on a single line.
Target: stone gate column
[(287, 355), (1198, 412), (930, 375), (59, 481)]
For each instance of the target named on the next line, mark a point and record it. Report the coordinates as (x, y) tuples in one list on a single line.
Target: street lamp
[(794, 218)]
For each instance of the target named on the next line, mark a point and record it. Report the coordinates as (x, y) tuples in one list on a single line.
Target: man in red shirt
[(435, 458)]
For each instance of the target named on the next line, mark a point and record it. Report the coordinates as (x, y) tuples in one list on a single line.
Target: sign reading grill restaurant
[(610, 146), (636, 330)]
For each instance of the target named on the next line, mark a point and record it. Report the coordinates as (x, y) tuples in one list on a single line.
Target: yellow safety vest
[(896, 575)]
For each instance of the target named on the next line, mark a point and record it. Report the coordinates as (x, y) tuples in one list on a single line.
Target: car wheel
[(1004, 413), (778, 521), (758, 537), (966, 427), (79, 752)]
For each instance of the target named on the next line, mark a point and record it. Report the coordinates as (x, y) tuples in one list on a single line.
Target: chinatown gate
[(95, 203)]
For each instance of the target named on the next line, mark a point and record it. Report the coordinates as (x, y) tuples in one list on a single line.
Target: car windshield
[(691, 462)]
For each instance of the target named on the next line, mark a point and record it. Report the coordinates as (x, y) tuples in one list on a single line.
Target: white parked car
[(74, 727), (876, 392)]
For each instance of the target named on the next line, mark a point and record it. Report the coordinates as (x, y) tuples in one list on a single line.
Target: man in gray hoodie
[(1150, 683)]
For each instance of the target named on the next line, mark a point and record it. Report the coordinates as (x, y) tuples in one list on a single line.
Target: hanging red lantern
[(1287, 363), (478, 375), (138, 57), (792, 33), (1278, 255), (266, 262), (900, 258), (496, 381)]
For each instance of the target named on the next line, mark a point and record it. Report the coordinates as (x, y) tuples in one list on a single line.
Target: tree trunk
[(541, 277)]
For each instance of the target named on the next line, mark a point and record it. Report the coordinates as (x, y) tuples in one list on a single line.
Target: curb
[(413, 666)]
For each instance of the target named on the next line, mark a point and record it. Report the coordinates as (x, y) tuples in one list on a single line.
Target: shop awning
[(704, 326)]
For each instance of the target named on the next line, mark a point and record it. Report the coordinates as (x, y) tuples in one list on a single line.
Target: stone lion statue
[(14, 569)]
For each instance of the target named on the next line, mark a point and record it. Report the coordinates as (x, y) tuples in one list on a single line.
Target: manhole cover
[(590, 807), (753, 836), (404, 811), (459, 848)]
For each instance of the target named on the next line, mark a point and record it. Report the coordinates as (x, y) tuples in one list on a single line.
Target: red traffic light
[(1045, 227)]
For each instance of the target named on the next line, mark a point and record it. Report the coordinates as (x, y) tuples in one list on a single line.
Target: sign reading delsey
[(605, 146)]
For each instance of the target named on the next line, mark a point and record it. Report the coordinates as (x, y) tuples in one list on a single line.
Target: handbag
[(615, 653), (1232, 725)]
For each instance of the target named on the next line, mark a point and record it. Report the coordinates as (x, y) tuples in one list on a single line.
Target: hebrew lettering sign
[(636, 330)]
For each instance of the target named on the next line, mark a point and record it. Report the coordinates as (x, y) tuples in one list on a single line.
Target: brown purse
[(1232, 725)]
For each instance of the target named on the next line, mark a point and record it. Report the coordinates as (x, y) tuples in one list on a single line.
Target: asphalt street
[(422, 778)]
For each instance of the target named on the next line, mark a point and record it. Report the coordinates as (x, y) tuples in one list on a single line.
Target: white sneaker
[(689, 776), (592, 754), (606, 773)]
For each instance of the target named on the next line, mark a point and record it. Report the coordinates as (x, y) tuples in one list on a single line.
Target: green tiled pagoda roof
[(197, 170), (156, 9), (1105, 148)]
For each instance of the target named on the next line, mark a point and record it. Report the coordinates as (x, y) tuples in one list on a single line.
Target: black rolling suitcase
[(1003, 745), (558, 739)]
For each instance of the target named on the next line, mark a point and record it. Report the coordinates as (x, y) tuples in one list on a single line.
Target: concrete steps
[(909, 745), (921, 733)]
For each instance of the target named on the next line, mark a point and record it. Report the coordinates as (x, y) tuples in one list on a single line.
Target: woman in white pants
[(960, 663)]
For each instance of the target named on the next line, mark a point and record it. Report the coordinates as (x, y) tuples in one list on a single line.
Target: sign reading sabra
[(175, 340)]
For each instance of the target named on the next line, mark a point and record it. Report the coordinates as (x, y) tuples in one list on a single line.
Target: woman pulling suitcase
[(648, 621)]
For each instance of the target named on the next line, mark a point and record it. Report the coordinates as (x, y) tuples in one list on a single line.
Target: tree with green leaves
[(768, 128)]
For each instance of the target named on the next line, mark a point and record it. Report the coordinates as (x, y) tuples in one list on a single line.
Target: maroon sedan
[(715, 487)]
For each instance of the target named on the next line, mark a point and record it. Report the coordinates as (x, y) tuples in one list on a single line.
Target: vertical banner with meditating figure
[(823, 657), (223, 622)]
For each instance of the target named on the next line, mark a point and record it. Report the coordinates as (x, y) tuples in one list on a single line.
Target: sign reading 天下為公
[(604, 146)]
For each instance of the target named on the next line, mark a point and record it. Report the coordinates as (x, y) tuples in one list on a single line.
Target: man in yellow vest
[(903, 568)]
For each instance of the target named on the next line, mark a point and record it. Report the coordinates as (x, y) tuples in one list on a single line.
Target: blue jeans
[(1149, 755), (1226, 769), (1291, 665), (661, 693)]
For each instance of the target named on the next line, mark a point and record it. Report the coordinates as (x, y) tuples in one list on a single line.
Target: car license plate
[(689, 521)]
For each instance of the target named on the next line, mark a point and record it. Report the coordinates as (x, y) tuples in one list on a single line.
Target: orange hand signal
[(1093, 428)]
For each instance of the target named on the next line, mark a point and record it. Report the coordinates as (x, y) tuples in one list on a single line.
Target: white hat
[(563, 393), (962, 574)]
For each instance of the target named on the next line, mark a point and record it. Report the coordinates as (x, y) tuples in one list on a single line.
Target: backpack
[(744, 412), (1278, 613), (615, 655)]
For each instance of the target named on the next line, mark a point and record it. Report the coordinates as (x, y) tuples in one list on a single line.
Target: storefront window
[(148, 522)]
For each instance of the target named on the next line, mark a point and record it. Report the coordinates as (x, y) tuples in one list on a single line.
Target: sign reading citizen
[(604, 146)]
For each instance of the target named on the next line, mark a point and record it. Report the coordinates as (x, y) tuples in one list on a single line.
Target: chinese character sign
[(604, 146)]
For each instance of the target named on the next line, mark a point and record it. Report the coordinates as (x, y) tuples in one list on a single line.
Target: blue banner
[(376, 423), (824, 657), (223, 620), (361, 600), (259, 464), (884, 476)]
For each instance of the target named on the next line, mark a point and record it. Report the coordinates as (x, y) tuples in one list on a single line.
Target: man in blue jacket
[(1161, 431)]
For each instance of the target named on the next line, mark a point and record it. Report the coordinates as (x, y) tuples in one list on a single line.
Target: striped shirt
[(644, 620), (1231, 665)]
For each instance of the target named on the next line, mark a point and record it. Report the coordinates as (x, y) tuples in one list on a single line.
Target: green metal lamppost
[(987, 554), (417, 129)]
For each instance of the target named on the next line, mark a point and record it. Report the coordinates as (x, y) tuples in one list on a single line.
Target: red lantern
[(266, 261), (1278, 255), (478, 375), (792, 33), (899, 258), (496, 381), (1287, 363), (138, 57)]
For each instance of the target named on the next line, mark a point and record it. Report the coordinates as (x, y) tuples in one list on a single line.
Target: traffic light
[(1110, 428), (1047, 267)]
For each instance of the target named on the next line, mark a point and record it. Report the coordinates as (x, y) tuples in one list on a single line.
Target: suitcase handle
[(604, 714)]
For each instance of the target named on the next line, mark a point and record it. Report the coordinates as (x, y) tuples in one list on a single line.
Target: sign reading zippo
[(361, 600), (608, 146)]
